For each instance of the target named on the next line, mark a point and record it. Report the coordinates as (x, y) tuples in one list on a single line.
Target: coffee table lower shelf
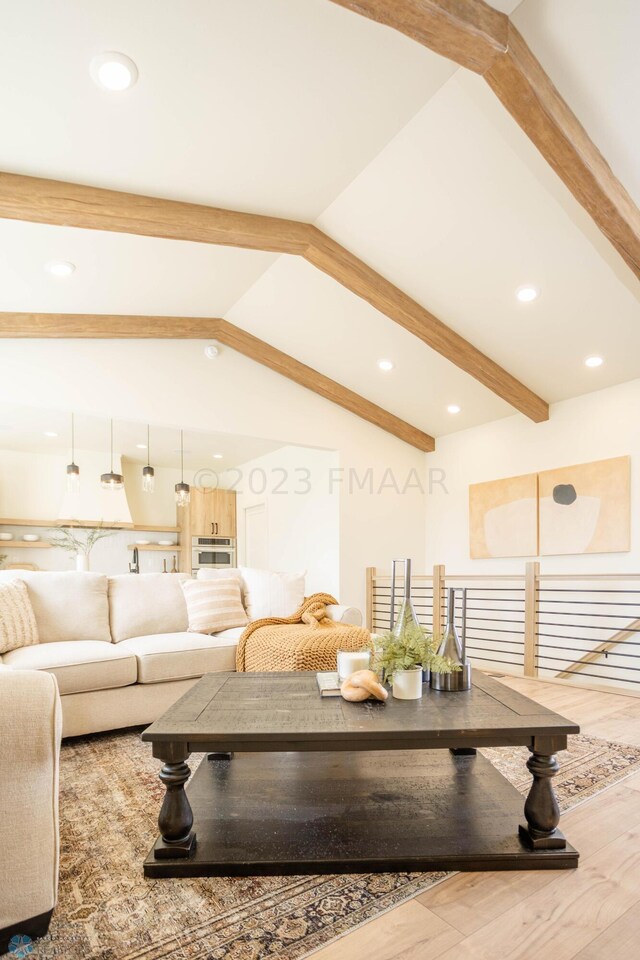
[(310, 813)]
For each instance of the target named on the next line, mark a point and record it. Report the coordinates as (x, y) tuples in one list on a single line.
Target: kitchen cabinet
[(209, 513)]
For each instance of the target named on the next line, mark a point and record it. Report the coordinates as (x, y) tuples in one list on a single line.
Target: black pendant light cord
[(148, 451)]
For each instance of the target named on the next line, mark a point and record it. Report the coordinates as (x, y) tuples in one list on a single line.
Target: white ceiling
[(270, 106), (23, 428), (308, 110)]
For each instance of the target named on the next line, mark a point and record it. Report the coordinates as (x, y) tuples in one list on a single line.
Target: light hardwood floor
[(592, 913)]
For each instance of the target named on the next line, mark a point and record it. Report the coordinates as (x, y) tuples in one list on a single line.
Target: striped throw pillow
[(18, 626), (214, 605)]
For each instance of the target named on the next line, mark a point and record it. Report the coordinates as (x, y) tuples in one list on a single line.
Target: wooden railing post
[(438, 587), (531, 583), (371, 575)]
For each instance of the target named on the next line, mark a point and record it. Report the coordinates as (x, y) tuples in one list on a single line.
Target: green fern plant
[(415, 647)]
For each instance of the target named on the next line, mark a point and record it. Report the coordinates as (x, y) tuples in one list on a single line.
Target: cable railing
[(580, 629)]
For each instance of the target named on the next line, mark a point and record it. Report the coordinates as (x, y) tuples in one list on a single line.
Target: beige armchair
[(30, 731)]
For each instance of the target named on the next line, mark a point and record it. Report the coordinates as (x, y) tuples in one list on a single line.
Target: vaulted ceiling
[(302, 109)]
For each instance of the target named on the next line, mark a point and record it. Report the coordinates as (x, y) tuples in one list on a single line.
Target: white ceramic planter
[(82, 563), (407, 684)]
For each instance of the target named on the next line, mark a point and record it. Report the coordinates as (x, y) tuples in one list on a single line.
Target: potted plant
[(66, 539), (3, 557), (402, 656)]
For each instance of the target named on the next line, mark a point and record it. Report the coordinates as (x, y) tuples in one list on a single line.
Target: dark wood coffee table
[(301, 784)]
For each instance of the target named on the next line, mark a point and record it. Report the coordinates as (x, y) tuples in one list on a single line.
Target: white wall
[(303, 514), (593, 427)]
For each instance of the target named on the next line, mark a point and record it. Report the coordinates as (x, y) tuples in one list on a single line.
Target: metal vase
[(452, 647)]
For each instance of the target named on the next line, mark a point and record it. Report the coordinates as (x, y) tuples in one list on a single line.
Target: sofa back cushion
[(142, 604), (270, 594), (67, 606)]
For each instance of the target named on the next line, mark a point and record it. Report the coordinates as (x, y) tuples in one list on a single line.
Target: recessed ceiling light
[(60, 268), (141, 446), (527, 293), (593, 362), (218, 456), (113, 71), (453, 408), (50, 433), (211, 351), (385, 365)]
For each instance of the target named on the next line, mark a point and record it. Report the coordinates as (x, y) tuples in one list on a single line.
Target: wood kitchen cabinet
[(209, 513)]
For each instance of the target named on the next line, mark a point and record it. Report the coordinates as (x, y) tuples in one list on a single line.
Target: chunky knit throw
[(308, 640)]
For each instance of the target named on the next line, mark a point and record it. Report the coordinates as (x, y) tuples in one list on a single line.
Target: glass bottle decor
[(452, 648)]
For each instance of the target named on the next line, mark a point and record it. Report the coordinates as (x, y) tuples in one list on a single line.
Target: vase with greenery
[(410, 651), (3, 557), (81, 545)]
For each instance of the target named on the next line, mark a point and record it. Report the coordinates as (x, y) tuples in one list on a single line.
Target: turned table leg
[(176, 817), (541, 807)]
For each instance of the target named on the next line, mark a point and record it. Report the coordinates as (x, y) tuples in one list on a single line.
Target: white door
[(256, 536)]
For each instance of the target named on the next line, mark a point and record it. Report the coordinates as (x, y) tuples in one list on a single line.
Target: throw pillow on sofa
[(271, 594), (17, 620), (214, 605)]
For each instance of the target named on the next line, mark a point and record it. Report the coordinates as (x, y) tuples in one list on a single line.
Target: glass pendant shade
[(73, 478), (148, 479), (183, 491), (111, 480), (73, 470)]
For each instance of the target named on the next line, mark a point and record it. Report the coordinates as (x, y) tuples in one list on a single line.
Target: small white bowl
[(142, 543), (166, 543), (6, 536), (31, 537)]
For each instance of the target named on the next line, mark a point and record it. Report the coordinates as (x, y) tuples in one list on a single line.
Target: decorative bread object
[(361, 685)]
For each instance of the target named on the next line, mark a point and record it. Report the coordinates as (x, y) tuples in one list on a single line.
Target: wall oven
[(212, 552)]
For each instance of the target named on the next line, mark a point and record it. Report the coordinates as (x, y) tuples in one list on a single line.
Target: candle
[(349, 661)]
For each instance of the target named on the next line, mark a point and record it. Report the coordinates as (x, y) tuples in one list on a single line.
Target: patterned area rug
[(110, 797)]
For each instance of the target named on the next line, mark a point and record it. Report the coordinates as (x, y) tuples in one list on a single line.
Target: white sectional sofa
[(119, 646)]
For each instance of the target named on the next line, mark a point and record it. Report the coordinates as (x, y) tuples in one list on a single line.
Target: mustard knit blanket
[(308, 640)]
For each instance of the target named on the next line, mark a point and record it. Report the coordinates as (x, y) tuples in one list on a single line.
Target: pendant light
[(183, 493), (73, 470), (148, 473), (111, 480)]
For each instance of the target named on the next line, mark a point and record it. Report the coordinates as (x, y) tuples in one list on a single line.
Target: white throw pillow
[(67, 605), (271, 594), (214, 605), (17, 619)]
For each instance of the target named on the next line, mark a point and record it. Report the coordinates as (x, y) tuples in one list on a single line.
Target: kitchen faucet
[(135, 566)]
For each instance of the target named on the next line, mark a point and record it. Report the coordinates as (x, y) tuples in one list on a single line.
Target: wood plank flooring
[(592, 913)]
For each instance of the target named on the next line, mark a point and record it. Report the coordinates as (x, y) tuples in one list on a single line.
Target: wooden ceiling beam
[(116, 327), (64, 204), (476, 36)]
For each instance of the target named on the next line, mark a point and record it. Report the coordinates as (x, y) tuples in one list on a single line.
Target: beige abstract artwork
[(503, 518), (585, 508)]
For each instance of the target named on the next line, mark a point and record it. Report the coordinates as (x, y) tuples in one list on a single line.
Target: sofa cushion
[(67, 606), (271, 594), (214, 605), (180, 655), (17, 620), (79, 666), (142, 604)]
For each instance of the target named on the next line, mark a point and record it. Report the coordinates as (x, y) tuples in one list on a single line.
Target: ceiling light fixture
[(385, 365), (148, 473), (218, 456), (73, 470), (141, 446), (113, 71), (60, 268), (111, 480), (183, 491), (50, 433), (527, 293), (593, 362), (453, 408), (211, 351)]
